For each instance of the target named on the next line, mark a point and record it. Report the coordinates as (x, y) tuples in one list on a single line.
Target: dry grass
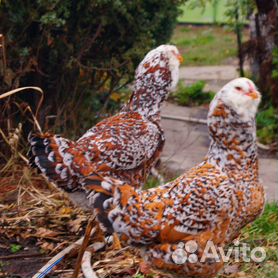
[(32, 208)]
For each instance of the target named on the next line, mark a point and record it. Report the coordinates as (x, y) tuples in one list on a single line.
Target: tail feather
[(100, 192), (98, 183), (47, 153), (106, 194)]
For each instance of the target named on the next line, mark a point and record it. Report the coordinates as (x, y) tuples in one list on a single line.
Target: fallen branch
[(264, 147), (57, 259), (184, 119), (86, 260)]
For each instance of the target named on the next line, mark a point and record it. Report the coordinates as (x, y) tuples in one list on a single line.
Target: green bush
[(193, 94), (79, 52), (267, 125)]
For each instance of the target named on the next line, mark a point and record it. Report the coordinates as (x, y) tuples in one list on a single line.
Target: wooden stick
[(83, 247), (16, 256), (48, 267)]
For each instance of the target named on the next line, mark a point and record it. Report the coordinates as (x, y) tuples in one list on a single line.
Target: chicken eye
[(238, 88)]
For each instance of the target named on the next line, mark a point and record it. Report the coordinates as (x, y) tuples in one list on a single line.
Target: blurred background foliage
[(192, 95), (84, 53), (255, 25), (81, 53), (261, 48)]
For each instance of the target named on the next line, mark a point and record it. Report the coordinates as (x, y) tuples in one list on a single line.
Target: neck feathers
[(233, 146), (152, 85)]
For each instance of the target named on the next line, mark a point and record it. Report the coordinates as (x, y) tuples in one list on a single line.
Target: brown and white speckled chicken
[(210, 202), (125, 146)]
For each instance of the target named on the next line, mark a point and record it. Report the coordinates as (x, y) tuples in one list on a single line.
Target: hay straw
[(13, 149), (36, 89)]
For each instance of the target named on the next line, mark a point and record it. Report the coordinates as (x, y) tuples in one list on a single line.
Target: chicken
[(124, 146), (209, 203)]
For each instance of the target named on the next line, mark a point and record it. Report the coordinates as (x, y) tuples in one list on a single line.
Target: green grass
[(193, 94), (15, 248), (264, 232), (200, 15), (266, 225), (261, 233), (205, 45), (151, 182), (267, 125)]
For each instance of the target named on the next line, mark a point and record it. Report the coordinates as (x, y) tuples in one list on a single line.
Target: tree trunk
[(260, 48), (239, 42)]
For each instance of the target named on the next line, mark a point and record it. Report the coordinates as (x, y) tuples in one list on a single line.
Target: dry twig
[(83, 247)]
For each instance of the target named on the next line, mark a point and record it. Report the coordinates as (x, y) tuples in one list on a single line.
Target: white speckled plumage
[(212, 201), (124, 146)]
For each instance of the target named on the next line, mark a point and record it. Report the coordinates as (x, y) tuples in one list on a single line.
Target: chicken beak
[(253, 94), (180, 58)]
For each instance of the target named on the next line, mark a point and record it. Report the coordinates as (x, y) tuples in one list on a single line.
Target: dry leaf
[(49, 246), (43, 232), (9, 76), (115, 96), (145, 268), (75, 225), (242, 274), (65, 210)]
